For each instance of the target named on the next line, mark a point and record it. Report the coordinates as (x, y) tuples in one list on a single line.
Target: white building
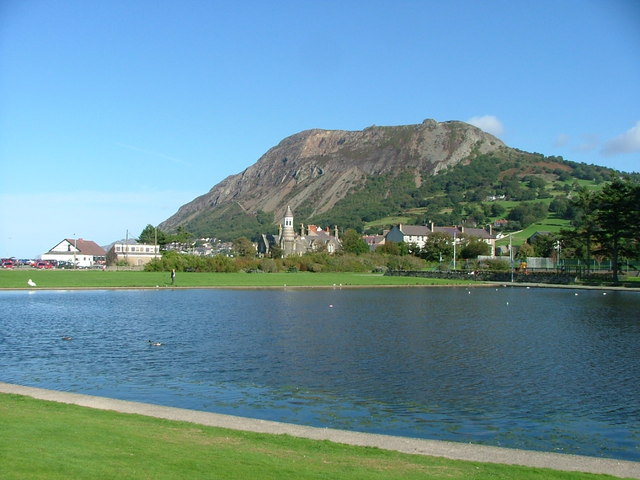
[(134, 254), (418, 234), (76, 252)]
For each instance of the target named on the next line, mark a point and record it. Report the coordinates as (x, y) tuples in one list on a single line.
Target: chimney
[(302, 229), (335, 230)]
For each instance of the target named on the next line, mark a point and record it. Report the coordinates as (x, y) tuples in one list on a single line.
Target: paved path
[(452, 450)]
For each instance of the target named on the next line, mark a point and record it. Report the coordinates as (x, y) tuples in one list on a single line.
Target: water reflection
[(530, 368)]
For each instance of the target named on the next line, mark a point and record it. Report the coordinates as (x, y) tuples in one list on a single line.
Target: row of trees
[(607, 224)]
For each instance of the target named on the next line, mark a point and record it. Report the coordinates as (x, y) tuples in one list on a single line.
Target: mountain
[(312, 171)]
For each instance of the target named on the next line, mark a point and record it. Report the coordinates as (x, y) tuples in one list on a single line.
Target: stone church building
[(290, 242)]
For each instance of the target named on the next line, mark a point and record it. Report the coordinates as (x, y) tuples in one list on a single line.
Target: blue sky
[(114, 114)]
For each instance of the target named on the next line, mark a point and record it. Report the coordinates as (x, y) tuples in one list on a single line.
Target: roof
[(448, 230), (478, 233), (87, 247), (457, 231), (415, 229)]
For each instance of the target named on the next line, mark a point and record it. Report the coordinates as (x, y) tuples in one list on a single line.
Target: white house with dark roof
[(78, 252), (418, 234)]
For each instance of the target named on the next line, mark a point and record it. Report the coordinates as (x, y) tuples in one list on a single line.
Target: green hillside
[(528, 190)]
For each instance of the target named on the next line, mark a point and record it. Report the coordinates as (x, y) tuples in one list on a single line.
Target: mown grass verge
[(112, 279), (43, 440)]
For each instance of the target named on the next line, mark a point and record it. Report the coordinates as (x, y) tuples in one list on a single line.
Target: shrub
[(268, 265)]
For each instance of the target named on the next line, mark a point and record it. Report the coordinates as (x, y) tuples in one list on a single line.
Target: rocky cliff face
[(320, 167)]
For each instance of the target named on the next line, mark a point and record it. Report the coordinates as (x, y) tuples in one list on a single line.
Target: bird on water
[(154, 344)]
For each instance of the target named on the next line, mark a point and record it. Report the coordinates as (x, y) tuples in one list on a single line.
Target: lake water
[(540, 369)]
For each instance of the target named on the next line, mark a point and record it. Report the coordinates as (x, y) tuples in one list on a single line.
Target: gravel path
[(452, 450)]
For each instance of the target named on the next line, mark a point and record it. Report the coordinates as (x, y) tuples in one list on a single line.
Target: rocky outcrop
[(319, 167)]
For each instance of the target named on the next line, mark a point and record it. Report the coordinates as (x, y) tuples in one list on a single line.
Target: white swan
[(31, 283)]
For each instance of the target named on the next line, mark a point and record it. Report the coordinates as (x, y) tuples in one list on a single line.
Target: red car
[(41, 265), (7, 264)]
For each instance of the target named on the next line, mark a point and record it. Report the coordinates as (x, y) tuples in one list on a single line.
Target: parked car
[(7, 264), (43, 265)]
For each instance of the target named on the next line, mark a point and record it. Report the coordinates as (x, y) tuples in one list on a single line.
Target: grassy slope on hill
[(44, 440)]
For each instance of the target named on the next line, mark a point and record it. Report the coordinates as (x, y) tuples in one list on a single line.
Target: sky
[(114, 114)]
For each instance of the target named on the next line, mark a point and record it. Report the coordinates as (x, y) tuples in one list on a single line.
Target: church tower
[(287, 239)]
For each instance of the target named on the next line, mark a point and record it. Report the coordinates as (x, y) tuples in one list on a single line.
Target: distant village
[(289, 241)]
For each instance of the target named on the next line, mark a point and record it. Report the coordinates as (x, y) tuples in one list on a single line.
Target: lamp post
[(454, 249), (511, 255)]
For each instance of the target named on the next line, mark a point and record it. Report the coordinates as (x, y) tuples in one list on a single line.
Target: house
[(418, 234), (76, 252), (132, 253), (501, 223), (374, 241), (311, 239), (533, 238)]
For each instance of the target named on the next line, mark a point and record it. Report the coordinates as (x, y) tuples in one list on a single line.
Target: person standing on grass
[(173, 276)]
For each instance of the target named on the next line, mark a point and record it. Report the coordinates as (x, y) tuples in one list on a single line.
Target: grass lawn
[(18, 278), (550, 224), (44, 440)]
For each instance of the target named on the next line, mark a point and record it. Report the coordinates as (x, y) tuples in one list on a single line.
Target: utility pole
[(511, 255), (454, 249)]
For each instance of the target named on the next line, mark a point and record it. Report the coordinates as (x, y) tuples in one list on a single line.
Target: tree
[(472, 247), (152, 235), (616, 215), (352, 242), (243, 247), (544, 245), (607, 222), (181, 236), (525, 250), (437, 247), (276, 252), (389, 248)]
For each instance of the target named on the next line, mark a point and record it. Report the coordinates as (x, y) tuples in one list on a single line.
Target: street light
[(511, 255), (454, 249)]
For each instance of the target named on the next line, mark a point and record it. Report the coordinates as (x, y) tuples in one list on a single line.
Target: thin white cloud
[(627, 142), (152, 153), (488, 123), (590, 143), (562, 140)]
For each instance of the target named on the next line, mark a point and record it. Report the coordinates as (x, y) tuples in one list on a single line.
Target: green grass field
[(550, 224), (18, 278), (44, 440)]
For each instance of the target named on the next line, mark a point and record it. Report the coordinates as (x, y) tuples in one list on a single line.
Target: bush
[(268, 265), (407, 262), (497, 265)]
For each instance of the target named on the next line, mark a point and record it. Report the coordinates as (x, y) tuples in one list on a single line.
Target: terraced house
[(418, 234)]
